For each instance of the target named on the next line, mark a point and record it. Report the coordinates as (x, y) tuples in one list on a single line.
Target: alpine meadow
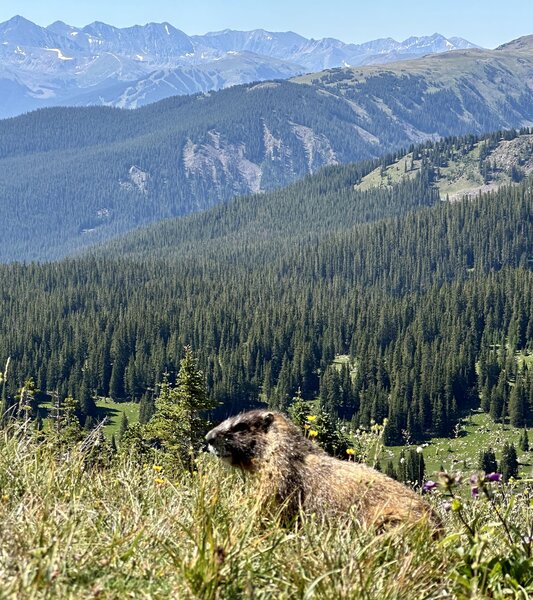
[(336, 237)]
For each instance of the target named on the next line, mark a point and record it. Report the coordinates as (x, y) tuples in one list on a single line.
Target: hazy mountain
[(328, 52), (129, 67), (72, 177)]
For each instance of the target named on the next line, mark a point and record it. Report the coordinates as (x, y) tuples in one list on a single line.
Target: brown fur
[(294, 472)]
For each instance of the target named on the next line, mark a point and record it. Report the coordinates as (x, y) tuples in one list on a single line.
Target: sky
[(488, 23)]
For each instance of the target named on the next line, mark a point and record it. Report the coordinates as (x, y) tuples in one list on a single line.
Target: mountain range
[(73, 177), (130, 67)]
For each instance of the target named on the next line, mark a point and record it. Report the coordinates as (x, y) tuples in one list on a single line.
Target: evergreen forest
[(430, 303)]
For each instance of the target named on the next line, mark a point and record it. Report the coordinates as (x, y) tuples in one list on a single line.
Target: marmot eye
[(240, 427)]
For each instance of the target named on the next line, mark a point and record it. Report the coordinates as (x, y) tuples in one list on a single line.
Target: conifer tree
[(524, 441), (509, 462), (487, 461), (124, 424), (179, 425), (517, 404)]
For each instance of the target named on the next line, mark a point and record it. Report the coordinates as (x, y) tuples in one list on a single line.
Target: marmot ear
[(268, 420)]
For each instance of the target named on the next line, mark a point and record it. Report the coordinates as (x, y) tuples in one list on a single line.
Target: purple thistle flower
[(494, 477), (474, 479), (429, 485), (474, 491)]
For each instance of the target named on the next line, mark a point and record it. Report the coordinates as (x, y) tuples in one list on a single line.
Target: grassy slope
[(109, 410), (113, 412), (461, 176), (460, 454), (69, 531)]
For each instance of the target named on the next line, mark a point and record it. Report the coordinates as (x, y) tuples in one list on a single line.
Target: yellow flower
[(160, 480), (157, 468), (307, 426), (313, 433), (311, 418), (350, 451)]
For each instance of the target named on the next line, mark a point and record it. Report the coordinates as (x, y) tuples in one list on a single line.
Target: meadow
[(71, 527)]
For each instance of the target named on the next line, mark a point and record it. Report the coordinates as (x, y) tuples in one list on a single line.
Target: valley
[(194, 226)]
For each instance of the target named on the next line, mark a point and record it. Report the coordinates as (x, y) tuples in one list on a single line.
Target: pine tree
[(517, 404), (509, 462), (415, 468), (124, 424), (487, 461), (178, 425), (524, 441), (146, 408)]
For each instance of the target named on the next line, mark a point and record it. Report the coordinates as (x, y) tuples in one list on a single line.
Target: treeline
[(416, 299)]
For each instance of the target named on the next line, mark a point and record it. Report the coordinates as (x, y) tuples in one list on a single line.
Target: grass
[(69, 531), (113, 412), (477, 432), (108, 409)]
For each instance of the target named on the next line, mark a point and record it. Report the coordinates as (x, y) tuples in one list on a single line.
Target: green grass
[(108, 409), (70, 531), (113, 412), (460, 454)]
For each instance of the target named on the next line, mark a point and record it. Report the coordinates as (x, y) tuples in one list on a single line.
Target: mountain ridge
[(72, 177), (100, 64)]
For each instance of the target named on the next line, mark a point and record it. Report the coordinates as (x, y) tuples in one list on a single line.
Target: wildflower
[(313, 433), (456, 505), (474, 490), (419, 450), (497, 477), (447, 506), (429, 485), (160, 480), (311, 418), (5, 498), (402, 460), (307, 426), (350, 451), (157, 468)]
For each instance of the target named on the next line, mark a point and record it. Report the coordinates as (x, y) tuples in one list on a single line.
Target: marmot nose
[(211, 435)]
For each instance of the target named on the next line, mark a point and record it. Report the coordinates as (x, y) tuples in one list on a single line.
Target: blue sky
[(485, 22)]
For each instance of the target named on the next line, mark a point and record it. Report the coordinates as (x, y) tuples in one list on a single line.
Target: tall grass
[(133, 531)]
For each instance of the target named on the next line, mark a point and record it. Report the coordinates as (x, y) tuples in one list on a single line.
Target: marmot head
[(241, 440)]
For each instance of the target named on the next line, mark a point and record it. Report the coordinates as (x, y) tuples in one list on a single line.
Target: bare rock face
[(218, 162), (137, 180), (317, 148)]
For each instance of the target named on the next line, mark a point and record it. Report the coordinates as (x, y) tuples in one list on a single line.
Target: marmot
[(294, 472)]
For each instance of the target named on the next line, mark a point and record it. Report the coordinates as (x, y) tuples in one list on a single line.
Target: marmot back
[(294, 472)]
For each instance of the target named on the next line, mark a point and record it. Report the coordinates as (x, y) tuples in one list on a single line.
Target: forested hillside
[(430, 300), (70, 178)]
